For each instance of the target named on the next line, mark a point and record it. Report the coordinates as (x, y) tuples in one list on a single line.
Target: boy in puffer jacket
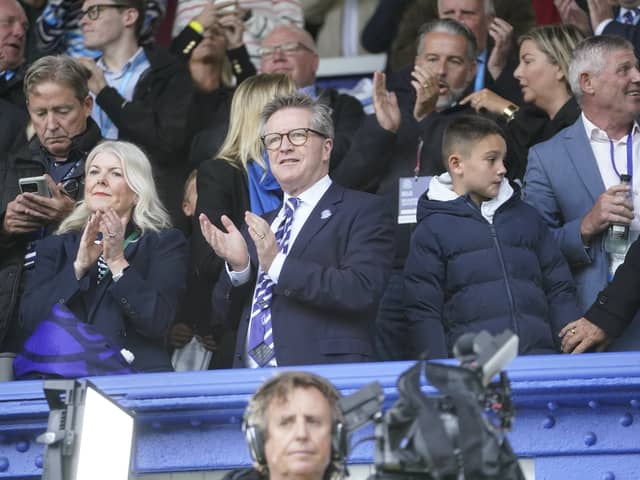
[(480, 258)]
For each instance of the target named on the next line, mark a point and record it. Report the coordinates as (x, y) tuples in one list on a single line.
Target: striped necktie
[(103, 268), (260, 344), (629, 17)]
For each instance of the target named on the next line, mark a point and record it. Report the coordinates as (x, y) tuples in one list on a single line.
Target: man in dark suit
[(313, 271), (573, 179)]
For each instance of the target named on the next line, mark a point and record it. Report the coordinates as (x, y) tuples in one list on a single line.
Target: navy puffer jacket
[(464, 274)]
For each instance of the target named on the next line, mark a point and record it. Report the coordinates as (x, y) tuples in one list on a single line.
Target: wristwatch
[(510, 112)]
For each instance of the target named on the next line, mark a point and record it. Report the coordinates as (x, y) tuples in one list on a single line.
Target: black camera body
[(458, 434)]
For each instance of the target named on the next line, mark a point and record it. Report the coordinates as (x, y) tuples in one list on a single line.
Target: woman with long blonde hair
[(543, 74), (114, 262)]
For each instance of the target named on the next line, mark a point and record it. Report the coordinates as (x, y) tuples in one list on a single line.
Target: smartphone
[(229, 8), (37, 185)]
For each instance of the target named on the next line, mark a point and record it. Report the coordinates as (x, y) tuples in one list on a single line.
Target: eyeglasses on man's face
[(286, 48), (297, 137), (94, 11)]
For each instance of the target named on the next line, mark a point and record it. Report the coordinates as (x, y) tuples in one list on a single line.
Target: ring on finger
[(572, 331)]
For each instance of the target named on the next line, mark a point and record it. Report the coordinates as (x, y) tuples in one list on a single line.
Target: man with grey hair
[(574, 179), (303, 283), (290, 50), (59, 106)]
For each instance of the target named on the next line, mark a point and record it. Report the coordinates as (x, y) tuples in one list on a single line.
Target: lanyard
[(416, 171), (70, 172), (479, 80), (629, 155)]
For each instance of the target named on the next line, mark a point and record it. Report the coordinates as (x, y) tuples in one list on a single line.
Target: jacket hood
[(441, 198)]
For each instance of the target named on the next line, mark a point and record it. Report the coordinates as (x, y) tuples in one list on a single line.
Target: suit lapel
[(320, 216), (580, 154)]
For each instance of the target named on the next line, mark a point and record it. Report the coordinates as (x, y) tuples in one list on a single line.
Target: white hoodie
[(441, 189)]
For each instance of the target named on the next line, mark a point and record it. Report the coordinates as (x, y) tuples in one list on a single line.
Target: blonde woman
[(115, 262), (543, 74), (236, 180)]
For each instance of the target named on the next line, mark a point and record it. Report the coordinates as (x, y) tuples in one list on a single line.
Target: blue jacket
[(464, 274), (135, 312)]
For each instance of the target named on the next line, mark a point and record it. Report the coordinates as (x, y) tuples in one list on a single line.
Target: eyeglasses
[(297, 137), (285, 48), (94, 11), (9, 22)]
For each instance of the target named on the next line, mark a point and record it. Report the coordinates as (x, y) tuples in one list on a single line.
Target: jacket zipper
[(492, 230)]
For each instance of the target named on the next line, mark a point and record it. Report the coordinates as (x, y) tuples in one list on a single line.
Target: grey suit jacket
[(563, 182)]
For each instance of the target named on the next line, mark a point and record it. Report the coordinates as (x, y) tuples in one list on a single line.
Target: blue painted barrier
[(578, 417)]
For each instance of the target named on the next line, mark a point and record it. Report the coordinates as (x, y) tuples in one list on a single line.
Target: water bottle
[(617, 239)]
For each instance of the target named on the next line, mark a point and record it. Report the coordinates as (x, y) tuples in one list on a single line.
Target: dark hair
[(464, 132), (452, 27), (140, 6)]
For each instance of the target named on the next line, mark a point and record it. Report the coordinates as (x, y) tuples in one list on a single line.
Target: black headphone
[(255, 439)]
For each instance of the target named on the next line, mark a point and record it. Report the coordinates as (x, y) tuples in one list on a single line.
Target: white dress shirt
[(599, 141)]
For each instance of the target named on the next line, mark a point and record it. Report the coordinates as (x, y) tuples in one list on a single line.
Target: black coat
[(28, 161), (222, 189), (530, 126), (11, 91), (617, 304), (13, 122)]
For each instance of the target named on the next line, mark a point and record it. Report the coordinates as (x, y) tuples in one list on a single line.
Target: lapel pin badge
[(325, 214)]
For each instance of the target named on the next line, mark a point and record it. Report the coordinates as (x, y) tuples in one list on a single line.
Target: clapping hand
[(385, 104), (229, 245), (427, 87)]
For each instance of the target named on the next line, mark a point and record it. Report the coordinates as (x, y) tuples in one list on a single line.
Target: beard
[(450, 98)]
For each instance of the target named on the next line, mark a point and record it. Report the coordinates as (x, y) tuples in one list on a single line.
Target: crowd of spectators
[(174, 176)]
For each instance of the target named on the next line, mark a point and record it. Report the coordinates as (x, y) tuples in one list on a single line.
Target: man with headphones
[(294, 430)]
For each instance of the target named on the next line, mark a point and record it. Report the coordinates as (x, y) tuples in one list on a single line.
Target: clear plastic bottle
[(617, 239)]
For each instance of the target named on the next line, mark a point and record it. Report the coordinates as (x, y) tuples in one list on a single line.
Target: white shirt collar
[(312, 195), (126, 66), (596, 134)]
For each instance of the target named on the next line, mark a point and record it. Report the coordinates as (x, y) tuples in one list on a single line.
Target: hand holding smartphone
[(36, 185)]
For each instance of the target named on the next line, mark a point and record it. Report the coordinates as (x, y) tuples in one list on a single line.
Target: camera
[(455, 435), (36, 185)]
